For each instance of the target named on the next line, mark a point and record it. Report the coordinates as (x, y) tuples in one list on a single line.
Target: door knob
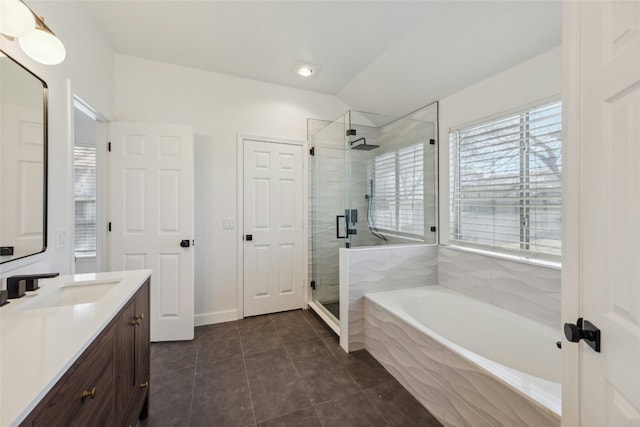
[(583, 330), (248, 237), (184, 243)]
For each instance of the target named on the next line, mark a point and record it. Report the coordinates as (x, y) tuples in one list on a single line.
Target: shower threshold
[(333, 308), (326, 315)]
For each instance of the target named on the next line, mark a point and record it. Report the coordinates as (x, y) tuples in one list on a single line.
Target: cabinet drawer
[(91, 375)]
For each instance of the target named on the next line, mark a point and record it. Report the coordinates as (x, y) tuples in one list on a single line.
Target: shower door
[(330, 177)]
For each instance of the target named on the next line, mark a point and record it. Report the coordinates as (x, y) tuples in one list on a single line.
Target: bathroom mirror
[(23, 161)]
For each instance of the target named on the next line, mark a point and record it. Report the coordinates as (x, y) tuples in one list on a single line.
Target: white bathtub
[(468, 362)]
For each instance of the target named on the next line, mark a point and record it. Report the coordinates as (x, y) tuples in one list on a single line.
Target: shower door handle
[(338, 236)]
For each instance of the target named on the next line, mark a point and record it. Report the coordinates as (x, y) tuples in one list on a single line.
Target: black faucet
[(18, 285)]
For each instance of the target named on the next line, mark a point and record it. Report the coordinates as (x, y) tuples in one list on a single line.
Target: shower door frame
[(317, 306)]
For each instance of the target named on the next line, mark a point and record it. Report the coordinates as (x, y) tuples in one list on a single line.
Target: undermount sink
[(68, 294)]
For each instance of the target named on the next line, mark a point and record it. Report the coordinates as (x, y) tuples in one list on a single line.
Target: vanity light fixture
[(42, 45), (305, 70), (16, 19), (34, 37)]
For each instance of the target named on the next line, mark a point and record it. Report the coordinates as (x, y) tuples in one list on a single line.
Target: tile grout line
[(313, 405), (246, 373), (246, 377), (294, 368), (193, 387), (360, 387)]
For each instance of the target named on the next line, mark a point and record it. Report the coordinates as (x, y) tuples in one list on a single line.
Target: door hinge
[(313, 284), (109, 146), (109, 226), (351, 132), (433, 229), (432, 141), (312, 151)]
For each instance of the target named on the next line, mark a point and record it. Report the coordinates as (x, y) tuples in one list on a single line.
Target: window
[(85, 200), (397, 182), (505, 183)]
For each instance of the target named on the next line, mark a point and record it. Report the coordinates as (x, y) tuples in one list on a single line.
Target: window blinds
[(505, 182), (398, 191), (85, 200)]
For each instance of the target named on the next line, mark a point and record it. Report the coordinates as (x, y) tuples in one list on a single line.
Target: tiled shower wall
[(529, 290), (377, 269)]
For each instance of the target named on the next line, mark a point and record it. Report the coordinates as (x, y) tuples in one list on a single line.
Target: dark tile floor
[(285, 369)]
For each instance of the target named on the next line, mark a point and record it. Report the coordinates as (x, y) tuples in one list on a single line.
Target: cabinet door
[(132, 354), (139, 405), (142, 335), (125, 357), (85, 395)]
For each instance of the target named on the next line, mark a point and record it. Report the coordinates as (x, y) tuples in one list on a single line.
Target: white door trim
[(240, 212), (102, 189), (571, 242)]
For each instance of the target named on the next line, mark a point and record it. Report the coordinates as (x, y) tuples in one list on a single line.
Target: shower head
[(363, 145)]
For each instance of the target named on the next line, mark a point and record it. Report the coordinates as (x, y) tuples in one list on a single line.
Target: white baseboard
[(215, 317)]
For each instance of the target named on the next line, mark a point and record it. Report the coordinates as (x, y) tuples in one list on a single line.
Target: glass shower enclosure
[(373, 182)]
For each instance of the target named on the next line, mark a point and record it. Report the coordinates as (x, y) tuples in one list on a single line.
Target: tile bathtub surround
[(453, 390), (285, 369), (530, 290), (376, 269)]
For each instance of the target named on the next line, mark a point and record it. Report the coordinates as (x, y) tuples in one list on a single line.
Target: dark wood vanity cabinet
[(109, 383), (84, 395)]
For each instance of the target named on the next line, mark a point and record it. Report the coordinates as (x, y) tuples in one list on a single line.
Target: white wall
[(219, 107), (88, 71), (532, 81)]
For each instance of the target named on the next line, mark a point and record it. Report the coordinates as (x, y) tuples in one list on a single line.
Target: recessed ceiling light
[(305, 70)]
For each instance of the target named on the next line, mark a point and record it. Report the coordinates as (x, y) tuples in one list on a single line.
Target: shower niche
[(373, 182)]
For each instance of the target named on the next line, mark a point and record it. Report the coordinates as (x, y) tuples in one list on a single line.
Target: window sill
[(521, 259)]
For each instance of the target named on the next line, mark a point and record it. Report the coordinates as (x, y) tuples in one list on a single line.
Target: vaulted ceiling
[(383, 56)]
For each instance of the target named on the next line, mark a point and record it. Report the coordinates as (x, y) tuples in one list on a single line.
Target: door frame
[(241, 138), (571, 294), (102, 182)]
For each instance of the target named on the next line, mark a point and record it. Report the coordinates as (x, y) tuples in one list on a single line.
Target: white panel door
[(21, 177), (273, 217), (151, 214), (608, 261)]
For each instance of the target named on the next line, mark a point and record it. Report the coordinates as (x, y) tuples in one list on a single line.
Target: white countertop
[(38, 345)]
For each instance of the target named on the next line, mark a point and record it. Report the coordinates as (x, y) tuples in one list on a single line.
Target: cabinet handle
[(140, 316), (90, 394), (135, 322), (144, 384)]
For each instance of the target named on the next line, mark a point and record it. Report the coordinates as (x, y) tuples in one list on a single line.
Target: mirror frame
[(45, 157)]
